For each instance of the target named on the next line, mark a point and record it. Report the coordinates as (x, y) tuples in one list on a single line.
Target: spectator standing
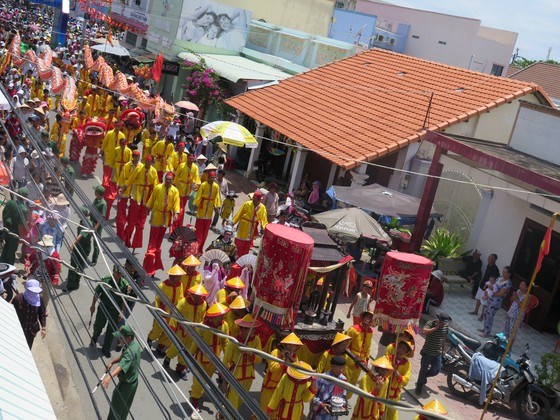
[(270, 201), (361, 302), (501, 288), (224, 189), (491, 270), (513, 312), (31, 311), (14, 216)]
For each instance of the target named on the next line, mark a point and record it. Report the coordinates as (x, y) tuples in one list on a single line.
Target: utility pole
[(548, 54)]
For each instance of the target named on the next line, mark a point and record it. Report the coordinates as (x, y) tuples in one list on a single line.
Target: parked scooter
[(531, 401), (492, 349)]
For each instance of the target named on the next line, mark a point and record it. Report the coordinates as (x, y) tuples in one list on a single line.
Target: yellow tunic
[(207, 198), (58, 134), (164, 204), (397, 383), (360, 346), (190, 281), (174, 293), (242, 364), (191, 312), (227, 208), (131, 133), (109, 144), (274, 372), (127, 170), (122, 155), (217, 344), (175, 160), (367, 409), (142, 181), (94, 105), (288, 398), (248, 218), (185, 177), (324, 364), (147, 142), (161, 152)]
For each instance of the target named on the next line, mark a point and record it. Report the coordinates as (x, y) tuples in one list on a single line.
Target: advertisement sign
[(213, 24)]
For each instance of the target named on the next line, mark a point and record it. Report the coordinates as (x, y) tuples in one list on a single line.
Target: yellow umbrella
[(231, 133)]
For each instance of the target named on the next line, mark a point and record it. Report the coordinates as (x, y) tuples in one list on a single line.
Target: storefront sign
[(169, 67)]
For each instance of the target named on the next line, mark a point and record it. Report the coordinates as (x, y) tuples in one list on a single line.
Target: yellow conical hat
[(191, 261), (320, 281), (339, 337), (247, 321), (435, 407), (176, 271), (217, 309), (292, 338), (199, 290), (238, 303), (297, 375), (383, 362), (235, 283)]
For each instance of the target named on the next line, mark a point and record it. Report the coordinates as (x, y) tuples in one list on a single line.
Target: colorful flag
[(157, 68), (545, 244), (110, 38)]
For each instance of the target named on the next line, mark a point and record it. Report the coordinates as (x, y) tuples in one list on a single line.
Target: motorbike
[(531, 401), (296, 215), (492, 349)]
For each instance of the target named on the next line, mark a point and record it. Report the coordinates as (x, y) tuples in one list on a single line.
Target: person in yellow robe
[(433, 406), (48, 100), (401, 374), (287, 351), (215, 319), (232, 288), (360, 345), (122, 155), (177, 157), (173, 289), (58, 135), (164, 205), (94, 104), (149, 138), (241, 363), (374, 383), (294, 389), (124, 191), (238, 309), (110, 142), (111, 118), (186, 180), (247, 219), (338, 348), (142, 182), (193, 307), (162, 151), (207, 199), (191, 277)]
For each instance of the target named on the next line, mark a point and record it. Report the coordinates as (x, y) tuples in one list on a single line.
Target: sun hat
[(383, 362), (291, 338), (176, 270), (191, 261), (339, 338), (60, 200), (198, 290), (435, 407), (438, 274), (32, 293), (33, 286), (298, 375), (235, 283), (247, 322), (217, 309), (238, 303), (201, 157)]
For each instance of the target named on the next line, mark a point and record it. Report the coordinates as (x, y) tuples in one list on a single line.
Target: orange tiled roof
[(543, 74), (366, 106)]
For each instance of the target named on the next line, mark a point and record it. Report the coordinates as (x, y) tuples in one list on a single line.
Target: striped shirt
[(434, 340)]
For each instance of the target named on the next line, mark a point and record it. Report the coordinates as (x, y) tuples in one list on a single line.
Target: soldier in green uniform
[(79, 252), (65, 160), (127, 366), (14, 216), (107, 313), (101, 206)]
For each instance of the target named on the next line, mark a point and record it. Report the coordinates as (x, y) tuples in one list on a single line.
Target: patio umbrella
[(110, 49), (187, 105), (349, 224), (231, 133)]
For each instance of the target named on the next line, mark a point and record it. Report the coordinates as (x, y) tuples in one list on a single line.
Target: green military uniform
[(14, 216), (107, 312), (70, 185), (123, 395), (101, 206), (78, 258)]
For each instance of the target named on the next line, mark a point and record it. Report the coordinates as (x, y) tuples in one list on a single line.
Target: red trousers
[(202, 227), (109, 196), (89, 162), (135, 225), (179, 221), (107, 172), (243, 247), (152, 259), (122, 211), (76, 146)]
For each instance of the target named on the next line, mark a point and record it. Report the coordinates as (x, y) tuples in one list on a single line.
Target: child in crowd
[(361, 302), (485, 295), (228, 206)]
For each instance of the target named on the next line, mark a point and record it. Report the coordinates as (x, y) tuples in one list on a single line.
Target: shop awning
[(23, 394), (142, 56), (235, 67)]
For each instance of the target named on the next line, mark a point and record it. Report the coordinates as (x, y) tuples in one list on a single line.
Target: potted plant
[(400, 235), (548, 376), (442, 244)]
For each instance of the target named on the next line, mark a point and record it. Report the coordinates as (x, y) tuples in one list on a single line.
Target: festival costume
[(190, 280), (217, 344), (122, 206), (108, 146), (274, 373), (192, 312), (403, 367), (324, 364), (161, 151), (94, 105), (58, 135), (359, 346), (142, 182), (174, 293), (77, 142), (121, 156), (186, 176), (367, 409), (177, 158), (244, 364), (164, 204), (207, 198), (287, 400), (248, 217)]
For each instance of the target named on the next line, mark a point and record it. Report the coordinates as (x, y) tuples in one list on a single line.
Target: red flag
[(545, 244), (158, 67)]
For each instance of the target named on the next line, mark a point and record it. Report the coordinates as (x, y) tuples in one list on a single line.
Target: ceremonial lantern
[(402, 288), (280, 273)]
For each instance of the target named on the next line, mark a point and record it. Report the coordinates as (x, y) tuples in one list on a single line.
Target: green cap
[(23, 191), (99, 189), (65, 160), (125, 331), (84, 210), (44, 133)]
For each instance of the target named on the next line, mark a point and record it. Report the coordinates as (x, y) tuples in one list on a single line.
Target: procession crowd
[(163, 169)]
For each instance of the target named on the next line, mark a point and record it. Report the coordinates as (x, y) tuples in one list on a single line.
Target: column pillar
[(297, 169), (359, 175), (331, 176), (259, 130), (427, 200), (287, 162)]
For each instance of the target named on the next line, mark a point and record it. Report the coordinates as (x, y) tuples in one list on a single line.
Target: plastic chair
[(532, 304)]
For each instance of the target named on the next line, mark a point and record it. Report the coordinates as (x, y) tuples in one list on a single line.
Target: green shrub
[(548, 371), (442, 244)]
